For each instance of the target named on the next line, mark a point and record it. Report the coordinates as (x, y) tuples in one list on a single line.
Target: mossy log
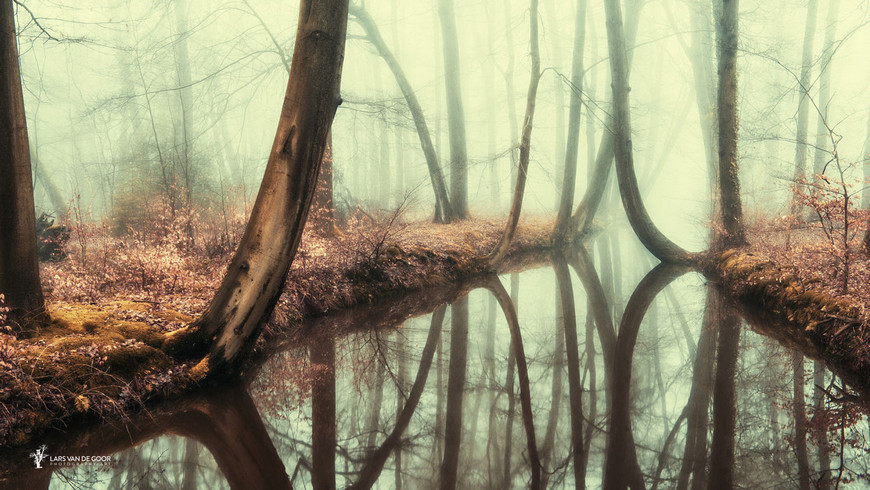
[(796, 312)]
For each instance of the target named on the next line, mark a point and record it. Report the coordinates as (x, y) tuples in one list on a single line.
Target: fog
[(106, 90)]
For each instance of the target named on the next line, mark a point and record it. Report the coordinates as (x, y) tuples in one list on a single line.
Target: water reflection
[(509, 396)]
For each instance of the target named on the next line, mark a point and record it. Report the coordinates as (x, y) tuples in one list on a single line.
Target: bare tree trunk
[(729, 169), (501, 249), (19, 269), (575, 387), (245, 300), (724, 399), (621, 467), (694, 464), (455, 389), (800, 420), (435, 175), (599, 172), (647, 232), (54, 194), (455, 111), (510, 313), (322, 353), (370, 472), (824, 451), (800, 150), (569, 177), (822, 153)]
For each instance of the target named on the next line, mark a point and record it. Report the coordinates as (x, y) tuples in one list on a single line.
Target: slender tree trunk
[(598, 172), (455, 111), (822, 153), (509, 88), (19, 269), (575, 387), (694, 461), (370, 472), (510, 313), (800, 420), (647, 232), (824, 451), (245, 300), (435, 175), (323, 414), (54, 194), (455, 389), (729, 170), (569, 177), (800, 150), (501, 249)]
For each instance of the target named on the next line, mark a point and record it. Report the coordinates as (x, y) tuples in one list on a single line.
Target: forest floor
[(112, 302)]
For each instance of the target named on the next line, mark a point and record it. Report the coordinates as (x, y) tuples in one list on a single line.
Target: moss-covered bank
[(799, 313), (97, 361)]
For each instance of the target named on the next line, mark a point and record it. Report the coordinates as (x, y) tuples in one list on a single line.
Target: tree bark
[(19, 268), (569, 177), (729, 171), (501, 249), (373, 34), (455, 112), (245, 300), (659, 245)]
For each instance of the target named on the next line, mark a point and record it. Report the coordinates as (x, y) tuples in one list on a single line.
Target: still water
[(580, 371)]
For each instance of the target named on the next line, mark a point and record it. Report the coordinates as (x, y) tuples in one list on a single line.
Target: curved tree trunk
[(653, 239), (597, 182), (569, 177), (435, 175), (621, 468), (501, 249), (19, 268), (245, 300), (507, 306)]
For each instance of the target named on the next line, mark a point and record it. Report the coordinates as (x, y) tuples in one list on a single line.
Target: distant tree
[(445, 211), (569, 177), (246, 298), (800, 158), (501, 249), (19, 268), (455, 111)]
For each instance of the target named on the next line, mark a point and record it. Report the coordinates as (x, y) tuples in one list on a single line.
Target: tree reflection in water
[(453, 427)]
